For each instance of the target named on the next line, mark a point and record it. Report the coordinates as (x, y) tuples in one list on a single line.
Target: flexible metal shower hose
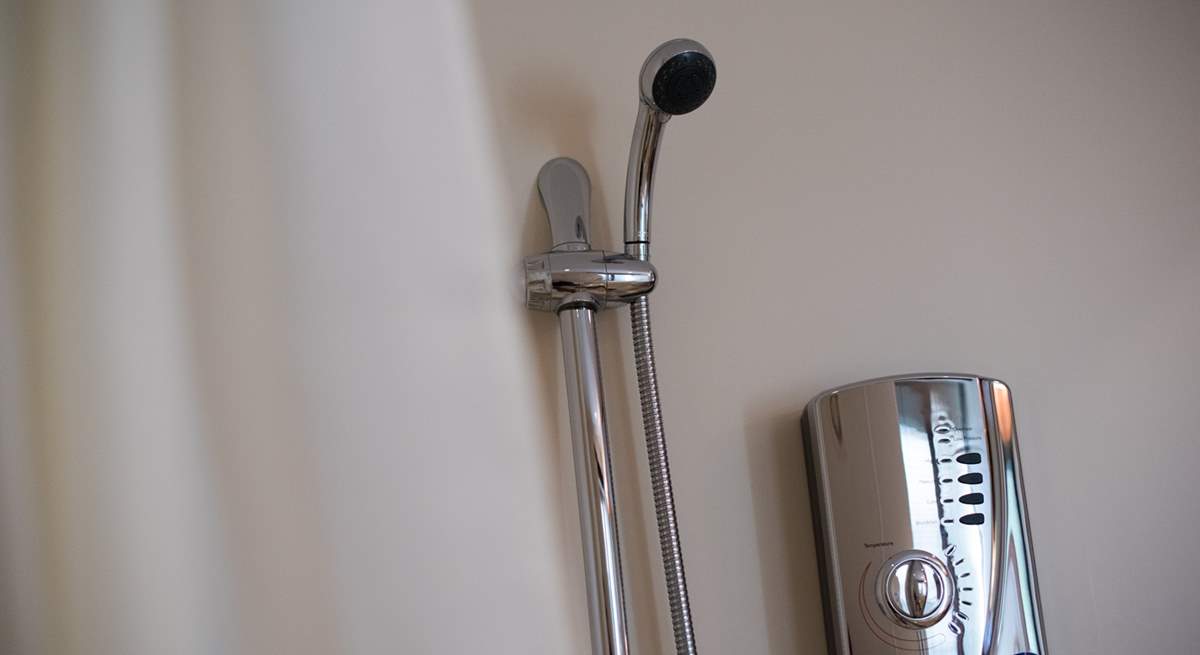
[(660, 479)]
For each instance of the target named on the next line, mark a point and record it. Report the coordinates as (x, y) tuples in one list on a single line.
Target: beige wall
[(878, 188)]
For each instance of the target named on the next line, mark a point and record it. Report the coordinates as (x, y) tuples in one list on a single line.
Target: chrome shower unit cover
[(921, 520)]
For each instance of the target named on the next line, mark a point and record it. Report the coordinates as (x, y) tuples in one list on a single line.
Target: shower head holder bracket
[(572, 274)]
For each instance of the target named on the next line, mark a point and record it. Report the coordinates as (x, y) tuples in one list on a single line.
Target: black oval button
[(970, 458), (972, 499), (971, 478), (972, 519)]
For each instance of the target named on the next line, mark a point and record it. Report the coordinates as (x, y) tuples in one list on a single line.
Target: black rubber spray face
[(684, 82)]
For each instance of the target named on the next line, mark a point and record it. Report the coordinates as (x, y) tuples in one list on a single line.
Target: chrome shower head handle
[(676, 79)]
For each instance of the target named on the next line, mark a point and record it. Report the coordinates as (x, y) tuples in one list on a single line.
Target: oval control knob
[(913, 589)]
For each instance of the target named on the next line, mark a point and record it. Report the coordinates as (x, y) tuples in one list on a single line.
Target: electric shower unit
[(920, 518)]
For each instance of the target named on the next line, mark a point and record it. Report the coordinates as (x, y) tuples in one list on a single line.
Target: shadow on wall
[(783, 520)]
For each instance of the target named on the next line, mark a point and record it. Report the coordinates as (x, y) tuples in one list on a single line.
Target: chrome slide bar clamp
[(571, 274)]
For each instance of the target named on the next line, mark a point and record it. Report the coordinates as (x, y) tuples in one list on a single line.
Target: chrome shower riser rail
[(593, 482)]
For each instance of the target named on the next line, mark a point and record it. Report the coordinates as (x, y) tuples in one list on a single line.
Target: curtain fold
[(128, 535), (157, 492)]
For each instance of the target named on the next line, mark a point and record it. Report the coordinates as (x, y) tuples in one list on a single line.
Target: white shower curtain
[(144, 363), (209, 271)]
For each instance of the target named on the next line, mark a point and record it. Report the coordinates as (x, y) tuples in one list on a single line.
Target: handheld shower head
[(676, 78)]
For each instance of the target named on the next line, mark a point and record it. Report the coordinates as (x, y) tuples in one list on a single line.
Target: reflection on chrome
[(934, 417)]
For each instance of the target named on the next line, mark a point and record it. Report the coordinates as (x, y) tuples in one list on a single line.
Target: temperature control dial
[(913, 589)]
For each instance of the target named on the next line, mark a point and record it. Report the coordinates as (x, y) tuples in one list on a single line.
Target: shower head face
[(678, 77)]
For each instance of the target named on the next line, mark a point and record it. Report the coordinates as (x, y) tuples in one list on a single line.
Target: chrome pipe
[(593, 482)]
